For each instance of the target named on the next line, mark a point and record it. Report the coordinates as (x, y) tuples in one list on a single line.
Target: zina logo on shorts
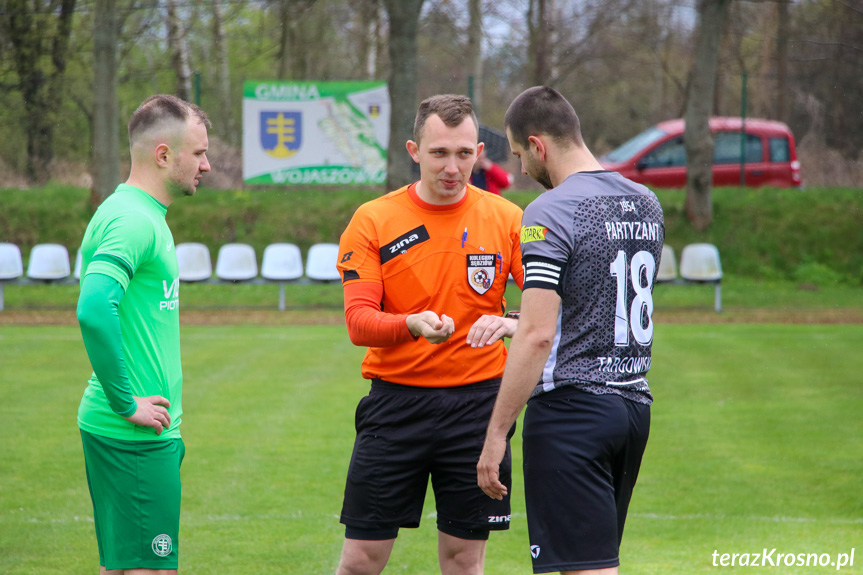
[(162, 545), (534, 551)]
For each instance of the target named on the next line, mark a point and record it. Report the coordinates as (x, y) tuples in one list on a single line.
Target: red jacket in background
[(492, 180)]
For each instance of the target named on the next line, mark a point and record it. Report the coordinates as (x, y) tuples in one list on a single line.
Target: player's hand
[(151, 413), (428, 325), (488, 468), (490, 328)]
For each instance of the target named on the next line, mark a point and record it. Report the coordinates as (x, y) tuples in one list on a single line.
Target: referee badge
[(480, 271)]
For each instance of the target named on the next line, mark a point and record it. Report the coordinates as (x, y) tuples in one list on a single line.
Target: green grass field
[(738, 294), (755, 444)]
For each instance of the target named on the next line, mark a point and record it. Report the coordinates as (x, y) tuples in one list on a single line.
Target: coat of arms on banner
[(281, 133), (480, 271)]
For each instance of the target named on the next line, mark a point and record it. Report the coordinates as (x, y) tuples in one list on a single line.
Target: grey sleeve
[(546, 243)]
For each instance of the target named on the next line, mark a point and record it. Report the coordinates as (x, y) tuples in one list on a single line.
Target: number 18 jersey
[(596, 239)]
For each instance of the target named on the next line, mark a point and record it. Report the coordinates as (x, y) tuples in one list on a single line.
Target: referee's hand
[(488, 468), (151, 413), (428, 325)]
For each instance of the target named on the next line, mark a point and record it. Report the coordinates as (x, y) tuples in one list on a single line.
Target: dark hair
[(451, 108), (542, 110), (159, 108)]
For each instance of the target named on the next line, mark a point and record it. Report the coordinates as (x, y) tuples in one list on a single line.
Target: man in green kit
[(129, 316)]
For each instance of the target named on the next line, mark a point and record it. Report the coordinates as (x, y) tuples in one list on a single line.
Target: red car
[(657, 156)]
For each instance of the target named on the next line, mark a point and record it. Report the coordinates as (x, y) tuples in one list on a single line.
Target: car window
[(780, 151), (671, 153), (636, 144), (726, 148)]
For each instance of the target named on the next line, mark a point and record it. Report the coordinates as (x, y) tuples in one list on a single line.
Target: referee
[(424, 271), (128, 310), (590, 247)]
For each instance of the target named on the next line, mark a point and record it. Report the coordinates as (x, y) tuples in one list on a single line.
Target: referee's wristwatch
[(513, 314)]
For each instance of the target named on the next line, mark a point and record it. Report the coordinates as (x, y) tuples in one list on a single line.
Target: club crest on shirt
[(480, 271)]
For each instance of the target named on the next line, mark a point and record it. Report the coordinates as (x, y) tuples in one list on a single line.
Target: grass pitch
[(755, 445)]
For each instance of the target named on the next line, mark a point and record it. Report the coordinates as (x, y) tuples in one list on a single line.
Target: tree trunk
[(540, 32), (404, 22), (179, 49), (285, 38), (699, 142), (29, 34), (228, 128), (293, 46), (105, 162), (782, 61), (474, 50), (369, 41)]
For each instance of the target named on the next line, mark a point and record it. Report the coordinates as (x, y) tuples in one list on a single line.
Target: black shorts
[(582, 453), (406, 434)]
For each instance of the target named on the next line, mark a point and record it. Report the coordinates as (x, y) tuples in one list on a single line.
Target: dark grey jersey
[(596, 239)]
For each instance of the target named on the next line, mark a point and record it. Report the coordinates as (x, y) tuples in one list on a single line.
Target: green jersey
[(129, 241)]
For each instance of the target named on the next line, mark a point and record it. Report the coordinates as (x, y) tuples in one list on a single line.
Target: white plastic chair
[(236, 263), (48, 262), (322, 261), (282, 263), (77, 271), (11, 266), (667, 265), (194, 262), (700, 263)]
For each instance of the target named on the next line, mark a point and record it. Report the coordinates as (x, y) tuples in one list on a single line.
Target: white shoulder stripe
[(548, 273), (541, 265), (530, 278)]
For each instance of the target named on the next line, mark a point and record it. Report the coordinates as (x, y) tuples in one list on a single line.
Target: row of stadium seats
[(699, 263), (282, 262)]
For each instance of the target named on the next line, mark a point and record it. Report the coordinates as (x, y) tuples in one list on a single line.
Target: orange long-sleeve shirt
[(452, 259)]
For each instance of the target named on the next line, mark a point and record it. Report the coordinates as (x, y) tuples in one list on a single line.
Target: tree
[(474, 50), (293, 48), (223, 75), (540, 30), (38, 33), (370, 41), (105, 166), (179, 48), (782, 61), (699, 142), (404, 23)]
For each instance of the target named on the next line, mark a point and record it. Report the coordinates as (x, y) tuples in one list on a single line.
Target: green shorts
[(135, 488)]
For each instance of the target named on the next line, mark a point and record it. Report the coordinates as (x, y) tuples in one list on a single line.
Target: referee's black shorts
[(406, 434), (582, 453)]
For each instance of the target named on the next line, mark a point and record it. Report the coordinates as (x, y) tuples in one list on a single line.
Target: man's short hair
[(451, 108), (542, 110), (160, 108)]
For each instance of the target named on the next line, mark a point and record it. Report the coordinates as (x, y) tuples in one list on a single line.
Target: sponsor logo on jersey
[(480, 271), (403, 243), (534, 551), (650, 231), (281, 133), (533, 234), (172, 295), (627, 206), (170, 245), (347, 257), (162, 545)]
